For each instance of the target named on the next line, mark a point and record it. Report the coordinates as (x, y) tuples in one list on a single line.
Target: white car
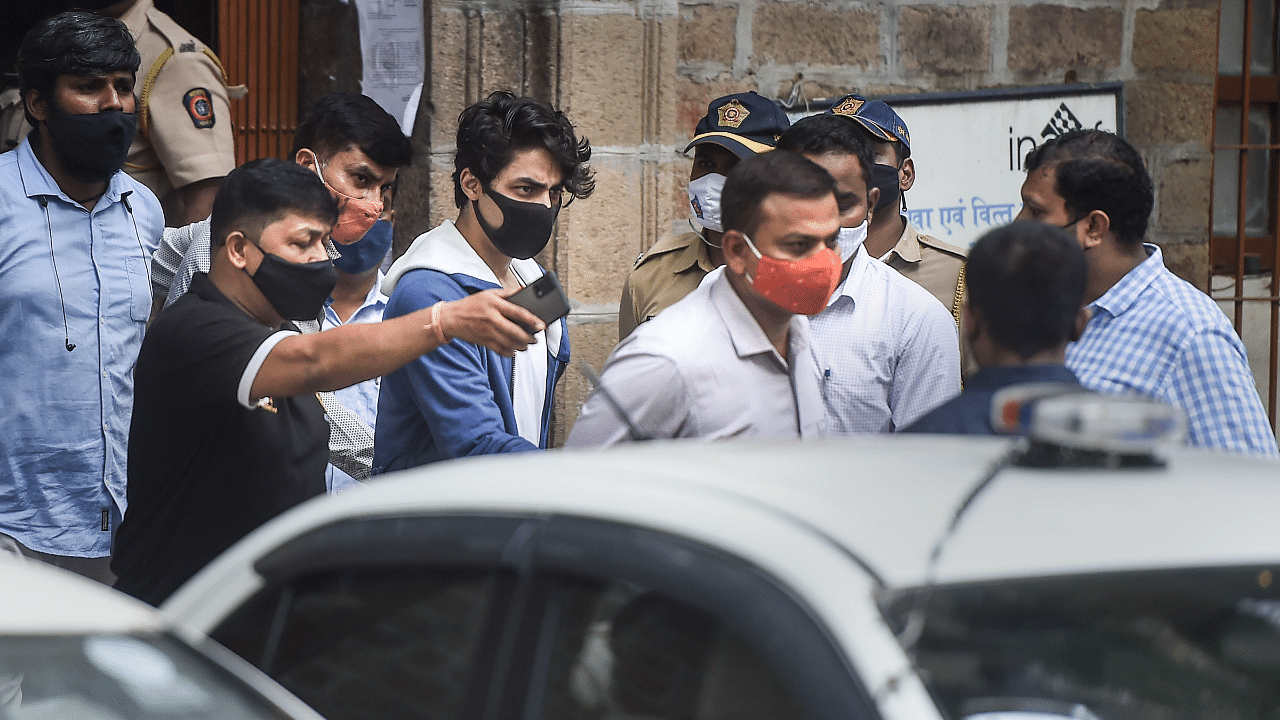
[(72, 649), (765, 580)]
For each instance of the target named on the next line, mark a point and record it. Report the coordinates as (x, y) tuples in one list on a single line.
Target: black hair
[(72, 43), (1026, 282), (1098, 170), (494, 129), (823, 134), (346, 119), (777, 172), (261, 192)]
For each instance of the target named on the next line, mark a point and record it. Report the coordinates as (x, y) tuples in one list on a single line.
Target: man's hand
[(487, 319)]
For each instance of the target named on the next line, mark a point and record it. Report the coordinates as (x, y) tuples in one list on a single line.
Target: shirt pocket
[(139, 289)]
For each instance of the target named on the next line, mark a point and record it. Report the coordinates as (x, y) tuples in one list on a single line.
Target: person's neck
[(774, 322), (350, 292), (883, 232), (84, 192), (1109, 262), (1001, 357), (238, 287), (715, 254), (475, 236)]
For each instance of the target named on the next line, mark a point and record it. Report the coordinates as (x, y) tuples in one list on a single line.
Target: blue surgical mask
[(366, 253)]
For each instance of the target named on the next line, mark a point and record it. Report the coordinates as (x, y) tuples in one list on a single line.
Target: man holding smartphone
[(516, 159)]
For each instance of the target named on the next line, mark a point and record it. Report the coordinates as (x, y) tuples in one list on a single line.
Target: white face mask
[(851, 239), (704, 200)]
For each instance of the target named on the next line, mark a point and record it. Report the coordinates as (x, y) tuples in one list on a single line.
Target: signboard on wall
[(968, 149)]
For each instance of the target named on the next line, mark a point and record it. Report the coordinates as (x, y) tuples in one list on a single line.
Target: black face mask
[(93, 146), (296, 290), (885, 177), (526, 227)]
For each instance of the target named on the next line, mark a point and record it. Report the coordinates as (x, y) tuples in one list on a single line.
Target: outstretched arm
[(344, 356)]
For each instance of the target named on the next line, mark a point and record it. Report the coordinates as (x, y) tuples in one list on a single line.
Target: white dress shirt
[(887, 351), (703, 368)]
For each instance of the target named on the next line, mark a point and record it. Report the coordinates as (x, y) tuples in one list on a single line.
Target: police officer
[(932, 263), (735, 127), (183, 146)]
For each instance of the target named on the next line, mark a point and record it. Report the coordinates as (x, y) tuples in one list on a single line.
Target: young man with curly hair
[(516, 159)]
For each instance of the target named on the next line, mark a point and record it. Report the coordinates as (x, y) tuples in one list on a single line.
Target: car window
[(615, 650), (109, 677), (392, 643), (1188, 644)]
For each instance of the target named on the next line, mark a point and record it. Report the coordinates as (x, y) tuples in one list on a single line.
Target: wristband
[(435, 323)]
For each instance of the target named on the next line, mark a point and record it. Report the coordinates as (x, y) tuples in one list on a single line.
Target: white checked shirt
[(704, 369), (1155, 334), (887, 350)]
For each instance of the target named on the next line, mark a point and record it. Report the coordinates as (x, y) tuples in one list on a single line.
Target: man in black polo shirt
[(227, 431)]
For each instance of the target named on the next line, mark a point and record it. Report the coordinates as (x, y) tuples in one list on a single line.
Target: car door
[(620, 621), (556, 617)]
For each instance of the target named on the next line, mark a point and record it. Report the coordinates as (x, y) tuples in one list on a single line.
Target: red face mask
[(355, 215), (799, 286)]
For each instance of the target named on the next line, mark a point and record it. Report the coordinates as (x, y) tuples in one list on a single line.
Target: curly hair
[(493, 130), (72, 43), (1098, 170)]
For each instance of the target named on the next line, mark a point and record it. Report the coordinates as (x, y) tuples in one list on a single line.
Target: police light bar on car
[(1067, 425)]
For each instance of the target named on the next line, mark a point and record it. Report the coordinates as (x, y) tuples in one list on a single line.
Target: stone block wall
[(636, 75)]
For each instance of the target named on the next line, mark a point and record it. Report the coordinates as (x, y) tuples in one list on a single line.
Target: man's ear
[(1097, 227), (306, 157), (969, 323), (735, 251), (1082, 320), (235, 248), (471, 185), (907, 175), (873, 199), (36, 104)]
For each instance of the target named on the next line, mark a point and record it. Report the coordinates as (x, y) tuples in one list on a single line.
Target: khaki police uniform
[(671, 269), (939, 268), (184, 123), (184, 129)]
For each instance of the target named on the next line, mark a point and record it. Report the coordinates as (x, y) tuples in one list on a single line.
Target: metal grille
[(258, 44), (1244, 274)]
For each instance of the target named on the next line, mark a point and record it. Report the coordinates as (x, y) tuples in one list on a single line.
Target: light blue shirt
[(361, 398), (1157, 335), (65, 414), (887, 349)]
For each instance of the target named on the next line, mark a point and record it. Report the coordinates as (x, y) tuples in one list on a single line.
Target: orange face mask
[(355, 215), (799, 286)]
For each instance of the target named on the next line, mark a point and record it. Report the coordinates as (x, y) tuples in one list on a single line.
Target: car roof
[(886, 501), (39, 599)]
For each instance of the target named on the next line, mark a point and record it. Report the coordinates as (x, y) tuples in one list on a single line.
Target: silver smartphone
[(543, 297)]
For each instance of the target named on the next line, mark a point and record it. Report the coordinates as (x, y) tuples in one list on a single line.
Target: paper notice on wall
[(392, 45)]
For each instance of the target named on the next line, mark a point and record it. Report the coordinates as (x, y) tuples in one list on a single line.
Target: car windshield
[(1167, 645), (110, 677)]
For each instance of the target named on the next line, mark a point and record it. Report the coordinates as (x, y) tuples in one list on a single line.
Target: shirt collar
[(994, 378), (908, 247), (1122, 296), (37, 182), (745, 333), (374, 298), (850, 285)]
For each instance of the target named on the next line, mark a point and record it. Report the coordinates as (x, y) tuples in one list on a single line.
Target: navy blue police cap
[(746, 124)]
